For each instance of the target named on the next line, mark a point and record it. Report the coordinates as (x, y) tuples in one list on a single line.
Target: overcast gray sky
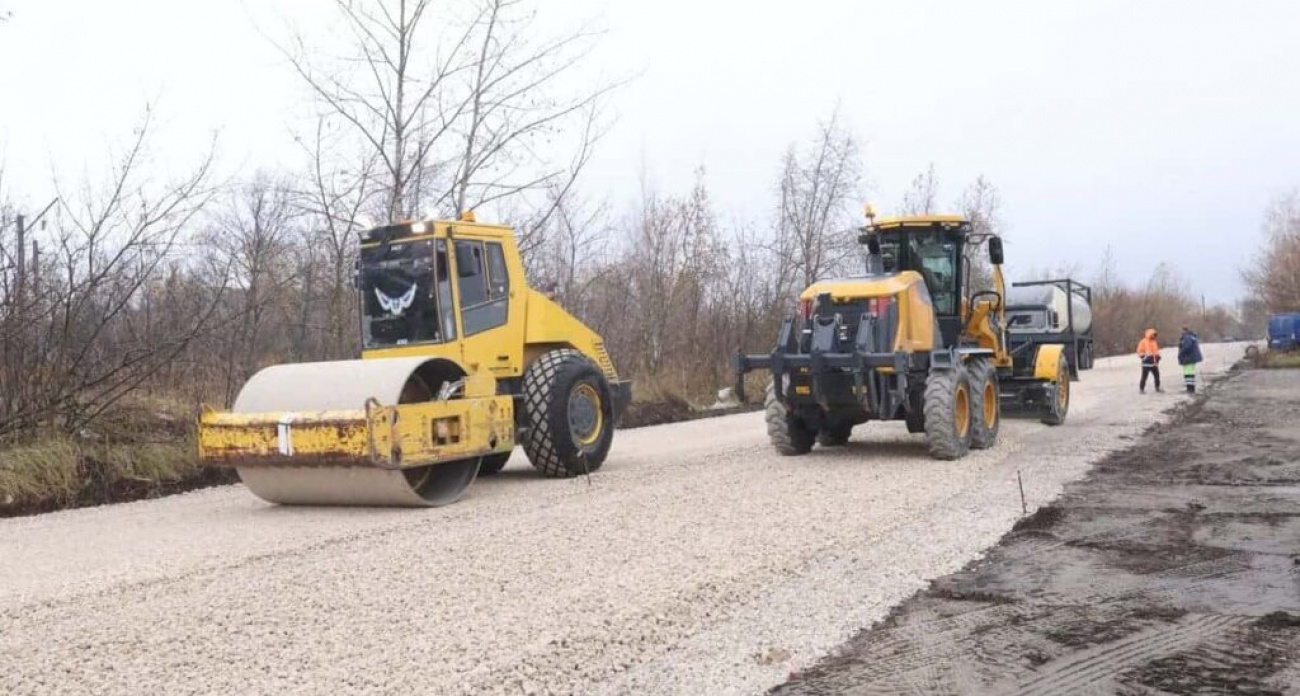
[(1160, 129)]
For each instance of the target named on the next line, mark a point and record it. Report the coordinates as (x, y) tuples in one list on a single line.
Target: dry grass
[(660, 389), (1274, 359), (134, 451), (49, 469), (59, 471)]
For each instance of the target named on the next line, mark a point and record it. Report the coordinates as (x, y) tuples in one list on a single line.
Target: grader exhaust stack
[(461, 361)]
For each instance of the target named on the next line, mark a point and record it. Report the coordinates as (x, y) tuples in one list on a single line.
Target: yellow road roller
[(460, 361)]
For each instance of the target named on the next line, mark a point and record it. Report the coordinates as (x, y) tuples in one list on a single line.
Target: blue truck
[(1284, 331)]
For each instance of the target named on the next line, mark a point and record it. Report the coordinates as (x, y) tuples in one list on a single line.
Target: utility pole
[(22, 261)]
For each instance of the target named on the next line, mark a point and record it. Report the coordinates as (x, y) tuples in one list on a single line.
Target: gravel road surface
[(697, 561)]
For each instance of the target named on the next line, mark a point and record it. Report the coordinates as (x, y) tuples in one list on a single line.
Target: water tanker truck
[(1055, 312)]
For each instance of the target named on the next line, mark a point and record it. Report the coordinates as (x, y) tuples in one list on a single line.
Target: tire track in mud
[(1092, 667), (1194, 591)]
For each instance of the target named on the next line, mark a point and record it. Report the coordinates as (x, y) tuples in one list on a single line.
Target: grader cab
[(909, 339), (460, 360)]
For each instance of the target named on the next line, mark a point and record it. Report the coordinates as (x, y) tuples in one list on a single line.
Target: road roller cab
[(460, 361)]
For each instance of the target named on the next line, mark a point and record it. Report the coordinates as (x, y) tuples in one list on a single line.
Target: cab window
[(483, 285)]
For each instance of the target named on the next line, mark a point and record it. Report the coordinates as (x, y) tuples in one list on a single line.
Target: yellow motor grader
[(908, 340), (460, 360)]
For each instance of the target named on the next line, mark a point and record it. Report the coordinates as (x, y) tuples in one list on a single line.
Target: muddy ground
[(1174, 568)]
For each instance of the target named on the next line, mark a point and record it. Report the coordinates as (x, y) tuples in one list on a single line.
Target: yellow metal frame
[(915, 221), (1048, 361), (915, 315), (387, 437)]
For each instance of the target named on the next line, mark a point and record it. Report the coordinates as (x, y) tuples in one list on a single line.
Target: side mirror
[(995, 251), (873, 244)]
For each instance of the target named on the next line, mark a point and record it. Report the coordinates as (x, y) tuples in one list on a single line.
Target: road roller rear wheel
[(570, 414), (493, 464)]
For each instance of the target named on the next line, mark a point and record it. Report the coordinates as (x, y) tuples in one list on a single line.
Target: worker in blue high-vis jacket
[(1189, 353)]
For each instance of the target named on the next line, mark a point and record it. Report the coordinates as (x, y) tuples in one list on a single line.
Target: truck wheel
[(1060, 405), (948, 413), (570, 414), (837, 436), (986, 403), (493, 463), (789, 435)]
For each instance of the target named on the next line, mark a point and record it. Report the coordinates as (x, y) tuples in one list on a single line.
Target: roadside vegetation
[(1282, 360)]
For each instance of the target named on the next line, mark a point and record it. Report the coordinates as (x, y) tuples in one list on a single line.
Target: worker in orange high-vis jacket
[(1149, 354)]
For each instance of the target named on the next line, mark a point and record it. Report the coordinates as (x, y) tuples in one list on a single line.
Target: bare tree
[(87, 333), (1274, 274), (817, 191), (513, 105), (455, 101), (334, 199), (922, 197), (981, 204), (395, 90), (251, 240), (571, 249)]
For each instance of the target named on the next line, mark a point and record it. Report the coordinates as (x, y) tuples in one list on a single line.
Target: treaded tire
[(549, 443), (835, 437), (948, 439), (914, 414), (982, 434), (493, 463), (788, 434), (1060, 408)]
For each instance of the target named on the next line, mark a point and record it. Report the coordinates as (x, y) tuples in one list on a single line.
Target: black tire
[(914, 414), (789, 435), (947, 398), (557, 443), (1059, 407), (837, 436), (986, 416), (493, 464)]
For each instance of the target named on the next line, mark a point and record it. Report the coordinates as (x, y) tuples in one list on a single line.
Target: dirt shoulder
[(1174, 568)]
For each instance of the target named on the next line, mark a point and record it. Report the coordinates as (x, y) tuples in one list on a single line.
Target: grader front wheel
[(948, 405), (986, 405), (789, 435)]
